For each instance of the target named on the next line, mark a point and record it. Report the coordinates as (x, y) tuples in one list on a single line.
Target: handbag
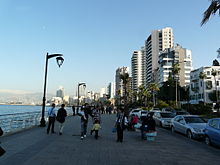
[(1, 131), (2, 151)]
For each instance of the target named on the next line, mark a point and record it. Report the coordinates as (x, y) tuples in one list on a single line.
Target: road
[(35, 147)]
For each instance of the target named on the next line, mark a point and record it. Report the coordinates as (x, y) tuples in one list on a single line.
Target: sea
[(17, 117)]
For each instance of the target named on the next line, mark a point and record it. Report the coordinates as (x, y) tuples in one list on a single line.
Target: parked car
[(136, 112), (190, 125), (212, 132), (163, 119), (168, 109)]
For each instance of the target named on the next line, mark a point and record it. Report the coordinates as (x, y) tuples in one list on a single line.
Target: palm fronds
[(212, 9)]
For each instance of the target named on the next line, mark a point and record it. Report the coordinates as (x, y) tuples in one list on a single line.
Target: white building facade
[(200, 89), (158, 41), (137, 69)]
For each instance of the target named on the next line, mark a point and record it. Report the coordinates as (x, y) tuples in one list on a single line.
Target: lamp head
[(59, 61)]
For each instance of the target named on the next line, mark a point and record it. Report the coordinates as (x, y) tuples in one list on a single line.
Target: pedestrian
[(84, 122), (74, 110), (96, 114), (121, 123), (52, 118), (96, 127), (61, 115), (151, 124), (134, 121), (2, 151)]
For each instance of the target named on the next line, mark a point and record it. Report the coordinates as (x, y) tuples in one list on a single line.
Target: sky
[(94, 36)]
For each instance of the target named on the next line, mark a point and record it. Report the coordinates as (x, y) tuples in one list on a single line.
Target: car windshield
[(136, 110), (182, 113), (194, 120), (167, 115)]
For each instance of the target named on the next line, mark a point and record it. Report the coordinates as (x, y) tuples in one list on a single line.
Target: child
[(96, 127)]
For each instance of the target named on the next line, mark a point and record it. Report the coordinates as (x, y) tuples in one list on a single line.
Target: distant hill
[(25, 98)]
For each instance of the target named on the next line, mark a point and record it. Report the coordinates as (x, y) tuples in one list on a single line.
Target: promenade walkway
[(35, 147)]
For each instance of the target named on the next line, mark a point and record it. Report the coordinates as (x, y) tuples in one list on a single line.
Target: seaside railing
[(16, 122)]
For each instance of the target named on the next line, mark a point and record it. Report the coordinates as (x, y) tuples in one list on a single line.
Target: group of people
[(84, 113), (121, 122)]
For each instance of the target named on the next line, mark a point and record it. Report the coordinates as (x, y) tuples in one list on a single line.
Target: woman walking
[(121, 123)]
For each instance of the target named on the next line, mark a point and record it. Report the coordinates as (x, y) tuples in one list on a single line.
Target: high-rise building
[(111, 90), (137, 68), (156, 42), (171, 56), (60, 92), (102, 92), (118, 82)]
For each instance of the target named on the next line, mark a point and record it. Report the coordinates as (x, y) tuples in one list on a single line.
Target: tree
[(176, 70), (211, 10), (125, 80), (215, 63), (202, 76), (153, 87), (143, 94), (214, 73)]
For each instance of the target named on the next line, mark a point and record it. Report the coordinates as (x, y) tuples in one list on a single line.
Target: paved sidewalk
[(35, 147)]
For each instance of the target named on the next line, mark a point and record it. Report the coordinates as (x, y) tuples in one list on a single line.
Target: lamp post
[(79, 84), (59, 63)]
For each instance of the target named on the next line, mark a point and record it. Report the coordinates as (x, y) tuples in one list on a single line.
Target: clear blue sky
[(95, 36)]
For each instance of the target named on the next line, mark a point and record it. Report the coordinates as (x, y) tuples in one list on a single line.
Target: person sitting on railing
[(52, 118)]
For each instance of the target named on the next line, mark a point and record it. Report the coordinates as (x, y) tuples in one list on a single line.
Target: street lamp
[(79, 84), (59, 63)]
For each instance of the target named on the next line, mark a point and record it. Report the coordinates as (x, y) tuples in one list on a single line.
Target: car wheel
[(207, 140), (173, 129), (189, 134)]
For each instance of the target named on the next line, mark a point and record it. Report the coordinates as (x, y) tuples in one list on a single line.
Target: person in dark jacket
[(148, 125), (121, 123), (61, 115)]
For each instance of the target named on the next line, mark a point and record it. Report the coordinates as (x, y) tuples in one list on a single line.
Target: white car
[(163, 119), (136, 112)]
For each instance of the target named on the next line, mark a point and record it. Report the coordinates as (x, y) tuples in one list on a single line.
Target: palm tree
[(125, 80), (212, 9), (214, 73), (143, 94), (202, 76), (176, 70), (153, 87)]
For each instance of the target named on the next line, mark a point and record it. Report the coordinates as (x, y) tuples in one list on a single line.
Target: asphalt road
[(35, 147)]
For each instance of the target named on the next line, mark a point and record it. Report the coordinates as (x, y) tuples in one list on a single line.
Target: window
[(217, 83), (208, 73), (214, 123)]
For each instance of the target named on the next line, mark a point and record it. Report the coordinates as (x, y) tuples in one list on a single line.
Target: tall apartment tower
[(111, 90), (137, 69), (118, 82), (171, 56), (156, 42), (60, 92)]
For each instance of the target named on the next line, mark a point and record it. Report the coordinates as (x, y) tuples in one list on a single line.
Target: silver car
[(163, 119), (190, 125)]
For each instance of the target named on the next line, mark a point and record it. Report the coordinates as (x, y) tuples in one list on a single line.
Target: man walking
[(52, 117), (61, 115)]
